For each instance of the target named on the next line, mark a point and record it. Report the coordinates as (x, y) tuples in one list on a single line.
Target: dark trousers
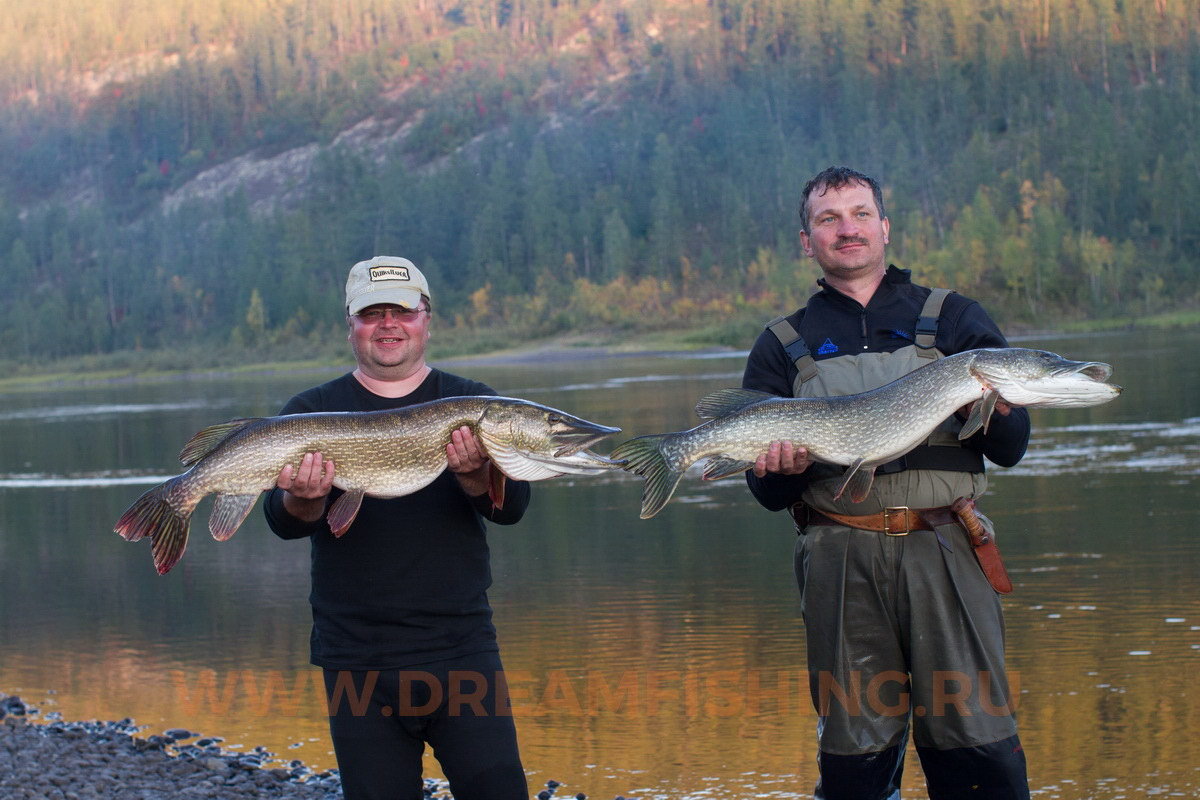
[(380, 721), (905, 635), (993, 771)]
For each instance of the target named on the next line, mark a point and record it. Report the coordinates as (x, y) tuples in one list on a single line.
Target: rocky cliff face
[(280, 181)]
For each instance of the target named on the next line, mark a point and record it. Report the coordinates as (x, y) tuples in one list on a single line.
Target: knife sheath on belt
[(984, 545)]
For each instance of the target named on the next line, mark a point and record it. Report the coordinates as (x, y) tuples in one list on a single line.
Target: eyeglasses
[(374, 316)]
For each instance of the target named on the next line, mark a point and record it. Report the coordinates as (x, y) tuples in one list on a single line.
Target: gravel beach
[(57, 760)]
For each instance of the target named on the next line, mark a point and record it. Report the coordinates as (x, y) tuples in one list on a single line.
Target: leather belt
[(902, 520), (895, 521)]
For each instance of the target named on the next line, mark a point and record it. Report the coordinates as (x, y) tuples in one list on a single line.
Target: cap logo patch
[(389, 273)]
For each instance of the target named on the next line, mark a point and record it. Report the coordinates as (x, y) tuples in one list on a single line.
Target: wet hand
[(782, 458), (306, 486), (467, 459), (313, 478)]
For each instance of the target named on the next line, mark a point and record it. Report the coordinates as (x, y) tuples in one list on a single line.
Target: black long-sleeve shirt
[(407, 583), (834, 324)]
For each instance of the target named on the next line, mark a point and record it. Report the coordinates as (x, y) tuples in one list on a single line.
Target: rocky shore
[(58, 760)]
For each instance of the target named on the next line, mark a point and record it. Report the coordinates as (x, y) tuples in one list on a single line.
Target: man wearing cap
[(401, 621)]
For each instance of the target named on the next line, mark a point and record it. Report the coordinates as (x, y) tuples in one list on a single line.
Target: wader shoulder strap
[(927, 323), (794, 346)]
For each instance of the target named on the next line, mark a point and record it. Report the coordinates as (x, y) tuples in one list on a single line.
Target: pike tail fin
[(643, 456), (155, 516)]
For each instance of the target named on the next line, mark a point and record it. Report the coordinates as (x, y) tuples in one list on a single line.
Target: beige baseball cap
[(384, 279)]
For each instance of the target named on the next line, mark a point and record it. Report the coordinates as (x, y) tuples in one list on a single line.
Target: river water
[(654, 659)]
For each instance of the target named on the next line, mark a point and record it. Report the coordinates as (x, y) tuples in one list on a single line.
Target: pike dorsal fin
[(207, 440), (981, 414), (343, 511), (727, 401)]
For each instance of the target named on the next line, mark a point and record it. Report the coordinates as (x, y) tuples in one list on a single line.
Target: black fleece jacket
[(407, 583)]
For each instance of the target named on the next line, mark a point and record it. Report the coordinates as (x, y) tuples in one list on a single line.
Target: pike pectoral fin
[(727, 401), (343, 511), (496, 485), (723, 467), (857, 480), (228, 513), (981, 415)]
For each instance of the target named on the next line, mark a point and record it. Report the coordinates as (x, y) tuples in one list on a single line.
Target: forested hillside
[(571, 165)]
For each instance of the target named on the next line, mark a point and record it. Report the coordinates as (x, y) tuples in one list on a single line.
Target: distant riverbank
[(474, 350), (160, 366)]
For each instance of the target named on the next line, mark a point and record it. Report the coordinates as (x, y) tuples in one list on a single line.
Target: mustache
[(849, 240)]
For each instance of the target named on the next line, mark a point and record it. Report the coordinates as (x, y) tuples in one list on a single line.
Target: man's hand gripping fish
[(861, 431), (380, 453)]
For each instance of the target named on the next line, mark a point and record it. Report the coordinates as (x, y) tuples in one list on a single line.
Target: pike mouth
[(1096, 370), (580, 437)]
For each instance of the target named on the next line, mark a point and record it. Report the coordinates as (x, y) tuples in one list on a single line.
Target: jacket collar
[(894, 276)]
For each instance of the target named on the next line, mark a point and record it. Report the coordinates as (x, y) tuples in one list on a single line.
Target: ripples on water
[(99, 411), (79, 481), (1118, 447)]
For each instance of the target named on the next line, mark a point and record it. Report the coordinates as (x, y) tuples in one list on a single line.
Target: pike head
[(539, 430), (1037, 378)]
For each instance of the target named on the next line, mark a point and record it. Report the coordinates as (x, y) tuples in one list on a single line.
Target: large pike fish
[(861, 431), (378, 453)]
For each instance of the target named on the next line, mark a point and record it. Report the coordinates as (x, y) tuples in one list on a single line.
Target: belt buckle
[(887, 522)]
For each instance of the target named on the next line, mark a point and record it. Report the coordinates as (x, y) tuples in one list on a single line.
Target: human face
[(389, 340), (847, 235)]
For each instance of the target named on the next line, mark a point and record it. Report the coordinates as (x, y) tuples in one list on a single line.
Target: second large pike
[(378, 453), (861, 431)]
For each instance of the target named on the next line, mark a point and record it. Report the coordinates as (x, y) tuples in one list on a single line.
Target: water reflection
[(657, 658)]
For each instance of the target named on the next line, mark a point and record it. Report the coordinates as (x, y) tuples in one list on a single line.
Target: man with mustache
[(903, 629)]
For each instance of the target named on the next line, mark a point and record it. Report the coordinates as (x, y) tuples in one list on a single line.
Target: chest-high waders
[(902, 629)]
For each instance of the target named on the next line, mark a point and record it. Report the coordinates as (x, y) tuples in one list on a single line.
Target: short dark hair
[(837, 178)]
